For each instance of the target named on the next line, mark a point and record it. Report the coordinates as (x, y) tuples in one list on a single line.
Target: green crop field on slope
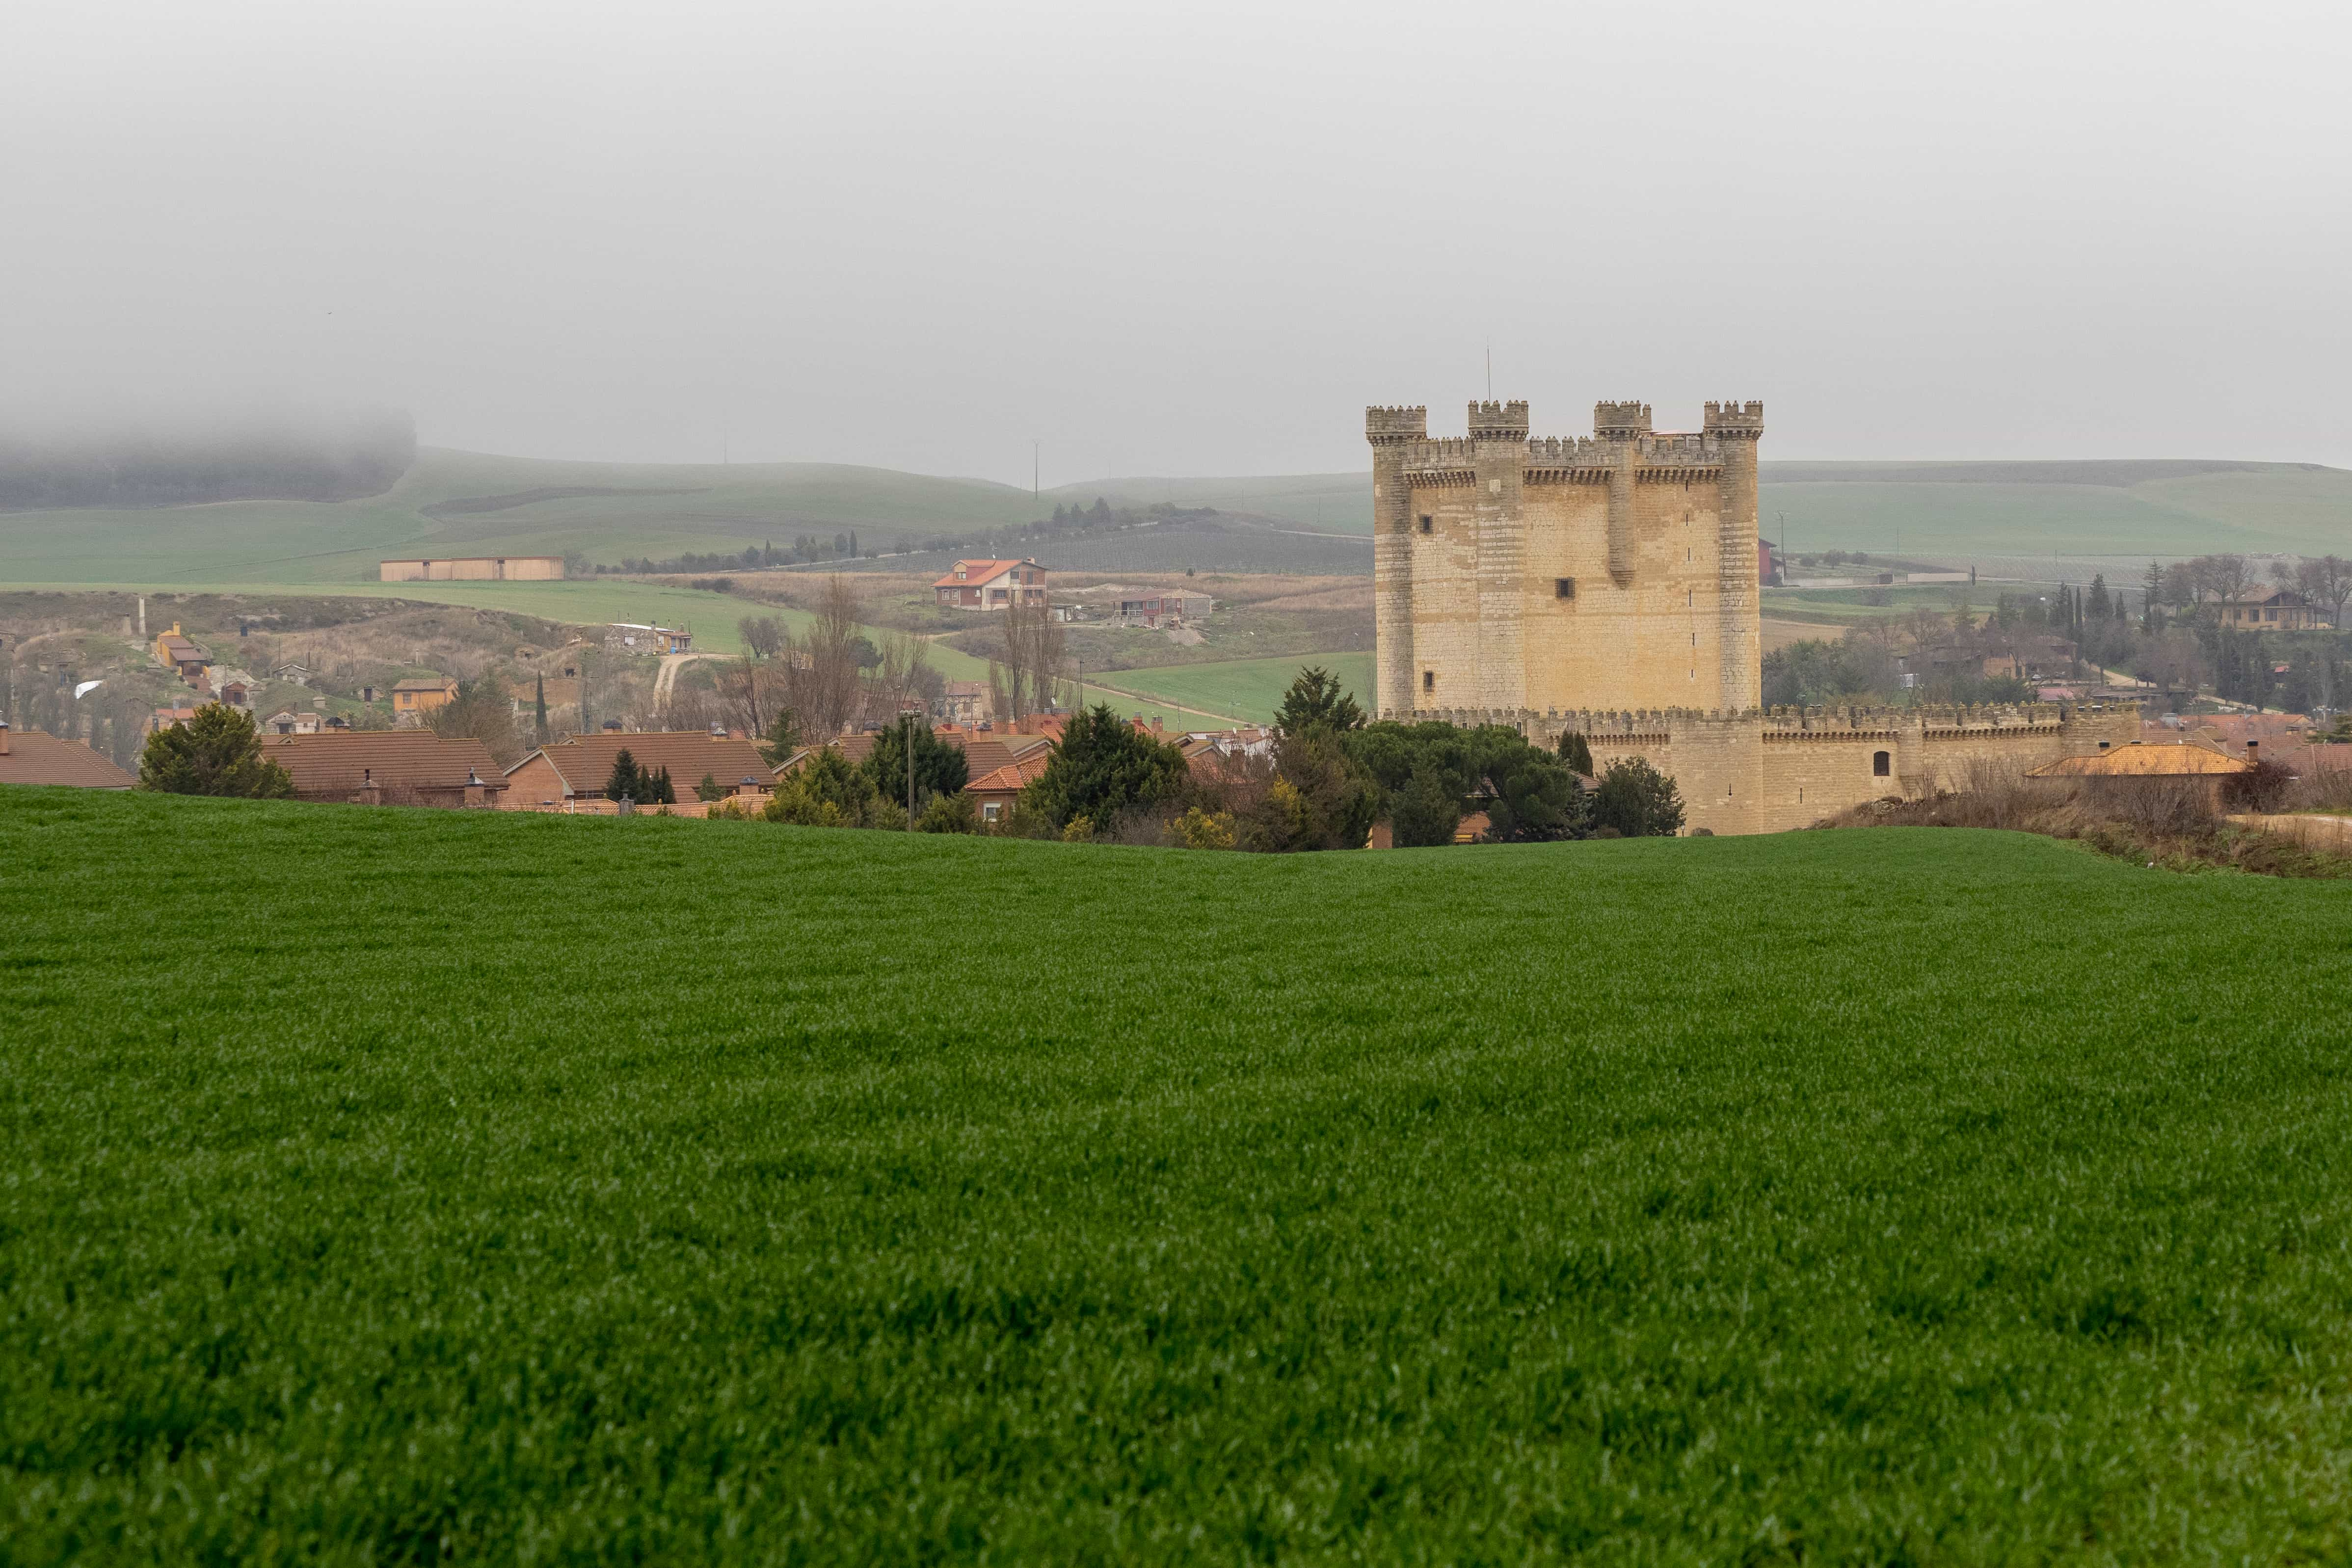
[(383, 1184), (459, 503), (1248, 689)]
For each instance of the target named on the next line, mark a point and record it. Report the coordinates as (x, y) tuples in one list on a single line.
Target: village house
[(2272, 609), (1163, 610), (576, 769), (992, 585), (387, 768), (179, 654), (32, 757), (637, 637), (992, 793), (420, 695), (165, 717), (290, 722)]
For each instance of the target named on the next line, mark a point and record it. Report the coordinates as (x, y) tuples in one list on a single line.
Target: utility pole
[(908, 714), (1036, 463)]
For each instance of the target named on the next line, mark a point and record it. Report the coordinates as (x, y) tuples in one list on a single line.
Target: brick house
[(990, 585), (994, 792)]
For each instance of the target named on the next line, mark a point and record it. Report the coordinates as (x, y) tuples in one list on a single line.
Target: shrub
[(1319, 798), (948, 814), (1199, 830), (1637, 801), (826, 792), (2265, 789)]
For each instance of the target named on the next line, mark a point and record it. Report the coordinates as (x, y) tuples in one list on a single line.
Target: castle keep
[(1609, 584)]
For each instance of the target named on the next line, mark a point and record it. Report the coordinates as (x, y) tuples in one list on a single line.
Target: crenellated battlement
[(1735, 419), (1621, 420), (1499, 421), (1387, 426), (1438, 451)]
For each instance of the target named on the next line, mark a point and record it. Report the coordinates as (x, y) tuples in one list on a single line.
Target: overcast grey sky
[(1188, 238)]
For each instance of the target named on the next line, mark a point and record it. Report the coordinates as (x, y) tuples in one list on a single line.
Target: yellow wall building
[(475, 568)]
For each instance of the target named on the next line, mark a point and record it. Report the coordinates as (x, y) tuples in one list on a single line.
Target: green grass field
[(407, 1186), (1249, 689)]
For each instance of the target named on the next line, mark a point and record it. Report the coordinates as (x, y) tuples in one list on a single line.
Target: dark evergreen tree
[(939, 768), (624, 780), (1576, 752), (1102, 765), (217, 752), (1427, 812), (1315, 701)]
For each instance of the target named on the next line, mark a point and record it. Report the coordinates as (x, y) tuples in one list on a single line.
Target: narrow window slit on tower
[(1427, 522), (1879, 762), (1429, 680), (1563, 588)]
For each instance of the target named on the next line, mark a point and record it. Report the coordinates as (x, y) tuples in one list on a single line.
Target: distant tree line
[(1329, 779), (327, 458), (842, 546)]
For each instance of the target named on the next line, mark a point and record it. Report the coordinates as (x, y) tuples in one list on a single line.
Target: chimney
[(4, 737), (2252, 747)]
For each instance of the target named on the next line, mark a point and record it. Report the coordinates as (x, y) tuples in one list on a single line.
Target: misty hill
[(314, 457), (459, 503)]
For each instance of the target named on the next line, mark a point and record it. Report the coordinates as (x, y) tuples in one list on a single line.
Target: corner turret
[(1393, 426)]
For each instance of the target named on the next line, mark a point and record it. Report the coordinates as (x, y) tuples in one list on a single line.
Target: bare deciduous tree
[(1032, 657), (2326, 580)]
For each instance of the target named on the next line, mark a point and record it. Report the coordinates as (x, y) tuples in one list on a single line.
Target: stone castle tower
[(1608, 586), (1613, 571)]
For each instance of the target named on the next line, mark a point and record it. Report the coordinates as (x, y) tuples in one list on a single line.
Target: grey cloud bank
[(1187, 239)]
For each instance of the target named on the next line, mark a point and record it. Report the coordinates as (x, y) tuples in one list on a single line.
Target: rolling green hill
[(367, 1193), (454, 503), (1248, 689)]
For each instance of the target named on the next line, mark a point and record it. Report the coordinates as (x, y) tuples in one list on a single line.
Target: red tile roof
[(1009, 778), (33, 757), (975, 572), (334, 765)]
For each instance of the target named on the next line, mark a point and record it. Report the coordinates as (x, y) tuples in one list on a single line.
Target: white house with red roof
[(992, 585)]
